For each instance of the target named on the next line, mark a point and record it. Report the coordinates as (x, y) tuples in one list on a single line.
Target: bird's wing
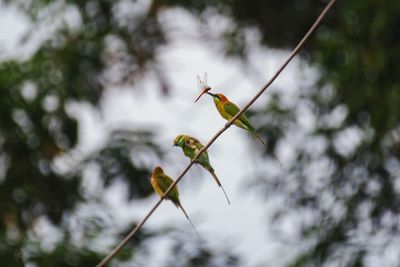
[(246, 122), (203, 158), (198, 147), (164, 182), (232, 109), (191, 142), (194, 145)]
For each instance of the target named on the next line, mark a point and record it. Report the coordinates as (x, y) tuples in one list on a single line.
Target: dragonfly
[(202, 85)]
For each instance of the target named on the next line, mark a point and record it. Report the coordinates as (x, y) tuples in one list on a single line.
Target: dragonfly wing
[(199, 83)]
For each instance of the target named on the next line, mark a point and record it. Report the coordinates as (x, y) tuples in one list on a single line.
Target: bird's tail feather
[(187, 217), (259, 138), (276, 159), (212, 172), (263, 142)]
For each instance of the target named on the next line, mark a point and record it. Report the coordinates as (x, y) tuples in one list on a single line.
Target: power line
[(227, 125)]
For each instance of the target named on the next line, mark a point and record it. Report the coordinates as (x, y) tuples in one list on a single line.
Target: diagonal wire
[(227, 125)]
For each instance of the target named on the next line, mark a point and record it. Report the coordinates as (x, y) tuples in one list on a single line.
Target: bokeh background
[(92, 93)]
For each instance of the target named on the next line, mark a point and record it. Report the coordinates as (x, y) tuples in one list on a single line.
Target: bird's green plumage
[(191, 147), (161, 182), (228, 110), (233, 110)]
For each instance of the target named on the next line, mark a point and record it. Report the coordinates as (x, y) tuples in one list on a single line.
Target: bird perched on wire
[(160, 183), (191, 147), (228, 110)]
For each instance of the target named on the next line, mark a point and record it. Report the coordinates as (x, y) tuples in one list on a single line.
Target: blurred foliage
[(112, 43), (36, 129), (116, 160), (346, 171), (195, 253)]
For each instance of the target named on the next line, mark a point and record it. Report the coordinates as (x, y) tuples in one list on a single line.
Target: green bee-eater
[(161, 182), (228, 110), (191, 146)]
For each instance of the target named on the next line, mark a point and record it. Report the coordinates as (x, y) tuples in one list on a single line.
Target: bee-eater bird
[(160, 183), (228, 110), (191, 146)]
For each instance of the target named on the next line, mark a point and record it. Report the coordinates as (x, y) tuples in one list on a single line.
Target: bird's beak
[(205, 90), (211, 94)]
